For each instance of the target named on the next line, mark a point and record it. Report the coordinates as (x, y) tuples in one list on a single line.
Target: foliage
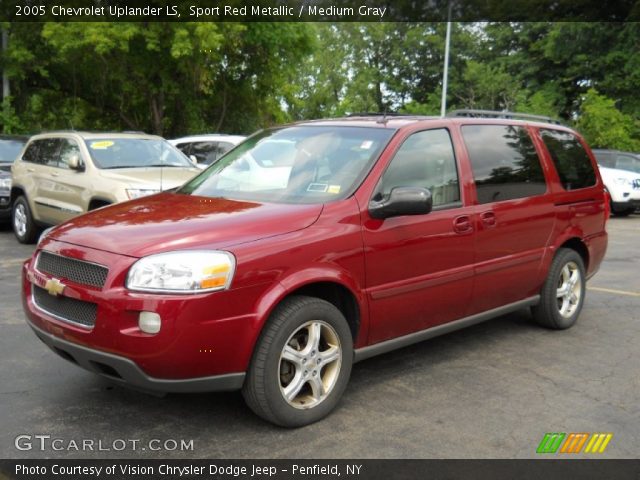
[(604, 125), (180, 78)]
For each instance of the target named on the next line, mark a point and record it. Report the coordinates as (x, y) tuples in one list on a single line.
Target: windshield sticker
[(334, 189), (317, 187), (101, 145), (366, 145)]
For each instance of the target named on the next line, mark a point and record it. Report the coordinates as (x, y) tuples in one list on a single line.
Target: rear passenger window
[(426, 160), (570, 158), (31, 153), (504, 161)]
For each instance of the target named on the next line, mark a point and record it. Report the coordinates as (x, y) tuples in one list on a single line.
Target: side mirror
[(74, 162), (402, 201), (194, 159)]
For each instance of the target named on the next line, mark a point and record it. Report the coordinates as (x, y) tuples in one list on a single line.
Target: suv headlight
[(190, 271), (5, 183), (134, 193)]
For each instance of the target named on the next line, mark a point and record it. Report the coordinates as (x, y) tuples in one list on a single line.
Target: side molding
[(395, 343)]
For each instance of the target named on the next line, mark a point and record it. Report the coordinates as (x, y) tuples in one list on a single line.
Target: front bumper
[(124, 371), (205, 342), (5, 208), (631, 203)]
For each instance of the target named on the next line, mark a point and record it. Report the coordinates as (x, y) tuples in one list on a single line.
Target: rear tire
[(563, 293), (302, 363), (24, 228)]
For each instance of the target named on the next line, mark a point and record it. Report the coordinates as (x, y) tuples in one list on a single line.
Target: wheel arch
[(335, 287), (97, 202), (17, 191)]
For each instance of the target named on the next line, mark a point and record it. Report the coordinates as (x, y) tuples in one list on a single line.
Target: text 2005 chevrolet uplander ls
[(359, 236)]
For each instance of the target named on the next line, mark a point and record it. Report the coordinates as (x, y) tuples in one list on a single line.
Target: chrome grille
[(65, 308), (77, 271)]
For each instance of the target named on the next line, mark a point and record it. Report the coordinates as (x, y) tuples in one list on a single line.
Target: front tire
[(563, 293), (24, 228), (302, 363)]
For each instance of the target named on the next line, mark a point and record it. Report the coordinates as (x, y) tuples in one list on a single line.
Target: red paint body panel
[(405, 273)]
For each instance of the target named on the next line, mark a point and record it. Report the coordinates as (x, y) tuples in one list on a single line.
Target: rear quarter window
[(570, 159)]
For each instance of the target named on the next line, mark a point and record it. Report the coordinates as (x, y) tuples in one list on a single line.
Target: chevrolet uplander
[(357, 236)]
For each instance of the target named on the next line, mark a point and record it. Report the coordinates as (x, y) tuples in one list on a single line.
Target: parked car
[(63, 174), (10, 148), (621, 176), (206, 149), (382, 232)]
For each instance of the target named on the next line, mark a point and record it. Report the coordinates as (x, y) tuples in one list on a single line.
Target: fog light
[(149, 322)]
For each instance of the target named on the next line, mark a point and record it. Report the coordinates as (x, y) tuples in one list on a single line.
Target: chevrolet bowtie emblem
[(54, 287)]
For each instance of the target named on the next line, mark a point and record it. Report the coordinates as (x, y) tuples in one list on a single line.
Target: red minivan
[(352, 237)]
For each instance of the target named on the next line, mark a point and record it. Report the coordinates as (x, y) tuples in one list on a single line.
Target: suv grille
[(77, 271), (65, 308), (636, 183)]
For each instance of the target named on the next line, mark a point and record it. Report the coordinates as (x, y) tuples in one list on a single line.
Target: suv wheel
[(302, 363), (563, 292), (24, 227)]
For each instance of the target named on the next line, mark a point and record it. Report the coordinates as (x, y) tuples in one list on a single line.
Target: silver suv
[(63, 174)]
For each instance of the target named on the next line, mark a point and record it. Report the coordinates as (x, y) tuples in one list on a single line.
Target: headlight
[(191, 271), (622, 181), (140, 192), (5, 183)]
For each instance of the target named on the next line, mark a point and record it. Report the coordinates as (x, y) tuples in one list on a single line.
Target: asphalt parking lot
[(490, 391)]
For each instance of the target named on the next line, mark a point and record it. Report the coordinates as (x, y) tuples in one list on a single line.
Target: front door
[(419, 269)]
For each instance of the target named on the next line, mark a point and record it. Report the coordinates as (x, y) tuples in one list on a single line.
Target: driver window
[(425, 160)]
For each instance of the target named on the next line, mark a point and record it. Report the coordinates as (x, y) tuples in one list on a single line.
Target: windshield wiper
[(120, 166)]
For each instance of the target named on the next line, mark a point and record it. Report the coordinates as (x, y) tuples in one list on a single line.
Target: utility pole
[(445, 75), (6, 90)]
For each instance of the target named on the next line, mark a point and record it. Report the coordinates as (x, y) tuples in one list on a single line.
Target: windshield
[(135, 153), (300, 164), (10, 149), (628, 163)]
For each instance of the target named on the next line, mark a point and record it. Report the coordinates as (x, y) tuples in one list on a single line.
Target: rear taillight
[(607, 205)]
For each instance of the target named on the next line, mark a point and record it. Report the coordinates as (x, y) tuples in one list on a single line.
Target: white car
[(624, 189), (206, 149), (268, 165)]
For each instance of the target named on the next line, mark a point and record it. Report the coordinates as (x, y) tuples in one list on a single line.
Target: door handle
[(488, 219), (31, 170), (55, 174), (462, 224)]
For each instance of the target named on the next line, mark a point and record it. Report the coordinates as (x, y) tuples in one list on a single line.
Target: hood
[(613, 173), (150, 176), (173, 221)]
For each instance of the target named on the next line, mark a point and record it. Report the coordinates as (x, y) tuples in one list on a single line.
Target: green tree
[(166, 78), (604, 126)]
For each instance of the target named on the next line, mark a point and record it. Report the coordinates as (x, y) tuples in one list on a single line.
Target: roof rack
[(378, 114), (504, 114)]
